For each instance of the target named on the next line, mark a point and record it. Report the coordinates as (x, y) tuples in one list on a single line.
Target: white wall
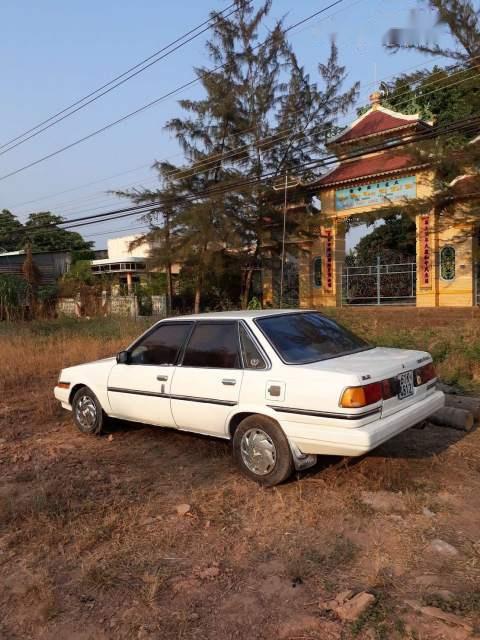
[(118, 248)]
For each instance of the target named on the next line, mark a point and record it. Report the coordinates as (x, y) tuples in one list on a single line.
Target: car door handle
[(162, 378), (230, 382)]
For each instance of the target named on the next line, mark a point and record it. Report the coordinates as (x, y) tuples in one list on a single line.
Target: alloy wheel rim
[(86, 412), (258, 451)]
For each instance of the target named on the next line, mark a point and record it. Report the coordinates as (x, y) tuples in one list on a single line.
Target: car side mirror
[(123, 357)]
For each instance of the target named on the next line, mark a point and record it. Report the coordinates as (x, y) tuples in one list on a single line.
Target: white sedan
[(283, 386)]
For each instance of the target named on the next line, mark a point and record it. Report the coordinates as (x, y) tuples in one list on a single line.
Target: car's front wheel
[(261, 450), (87, 411)]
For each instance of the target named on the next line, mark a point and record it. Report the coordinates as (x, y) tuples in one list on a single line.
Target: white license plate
[(405, 385)]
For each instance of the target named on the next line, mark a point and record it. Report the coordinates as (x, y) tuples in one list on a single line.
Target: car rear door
[(207, 382), (140, 390)]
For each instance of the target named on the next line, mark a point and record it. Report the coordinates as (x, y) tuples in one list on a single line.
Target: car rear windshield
[(300, 338)]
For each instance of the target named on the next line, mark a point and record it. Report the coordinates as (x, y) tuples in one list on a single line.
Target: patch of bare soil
[(152, 534)]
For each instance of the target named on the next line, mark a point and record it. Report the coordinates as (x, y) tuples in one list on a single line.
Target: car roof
[(239, 315)]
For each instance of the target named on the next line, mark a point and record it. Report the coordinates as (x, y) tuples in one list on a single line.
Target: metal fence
[(380, 284)]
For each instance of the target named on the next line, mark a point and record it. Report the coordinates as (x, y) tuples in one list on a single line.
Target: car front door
[(140, 390), (207, 382)]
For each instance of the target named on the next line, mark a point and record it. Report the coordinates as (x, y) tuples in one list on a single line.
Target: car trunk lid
[(381, 363)]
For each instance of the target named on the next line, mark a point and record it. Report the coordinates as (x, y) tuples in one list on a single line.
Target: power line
[(109, 233), (82, 186), (88, 184), (152, 102), (465, 125), (233, 153), (53, 195), (277, 137), (274, 137), (384, 78), (166, 51)]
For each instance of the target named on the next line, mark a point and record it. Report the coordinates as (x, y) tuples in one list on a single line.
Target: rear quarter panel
[(301, 389), (315, 390)]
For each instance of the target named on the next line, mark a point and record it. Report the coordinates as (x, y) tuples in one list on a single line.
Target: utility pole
[(282, 266), (286, 186), (379, 290)]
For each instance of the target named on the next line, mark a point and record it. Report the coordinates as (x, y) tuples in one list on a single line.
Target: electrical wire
[(275, 137), (150, 104), (461, 125), (144, 166), (167, 50)]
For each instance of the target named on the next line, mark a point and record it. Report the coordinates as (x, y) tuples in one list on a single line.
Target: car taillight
[(355, 397), (389, 388), (424, 374)]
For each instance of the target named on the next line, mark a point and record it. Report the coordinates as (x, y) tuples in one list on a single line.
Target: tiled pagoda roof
[(375, 165)]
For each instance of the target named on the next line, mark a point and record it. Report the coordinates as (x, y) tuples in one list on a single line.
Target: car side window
[(162, 345), (252, 358), (213, 345)]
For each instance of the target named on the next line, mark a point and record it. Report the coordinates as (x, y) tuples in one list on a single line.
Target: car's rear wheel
[(88, 414), (261, 450)]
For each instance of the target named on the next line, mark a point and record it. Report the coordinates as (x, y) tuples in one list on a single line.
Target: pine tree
[(261, 114)]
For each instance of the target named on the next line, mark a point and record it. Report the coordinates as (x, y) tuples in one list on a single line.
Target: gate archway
[(443, 272)]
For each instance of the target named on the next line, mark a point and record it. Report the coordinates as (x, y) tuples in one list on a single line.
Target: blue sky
[(54, 52)]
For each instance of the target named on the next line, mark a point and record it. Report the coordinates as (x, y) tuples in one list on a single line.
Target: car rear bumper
[(319, 439)]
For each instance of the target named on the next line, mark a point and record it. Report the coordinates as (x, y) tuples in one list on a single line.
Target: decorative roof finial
[(375, 99)]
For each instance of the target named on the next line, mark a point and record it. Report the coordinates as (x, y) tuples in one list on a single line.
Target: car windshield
[(300, 338)]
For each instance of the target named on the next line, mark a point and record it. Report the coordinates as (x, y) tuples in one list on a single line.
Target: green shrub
[(13, 293), (254, 304)]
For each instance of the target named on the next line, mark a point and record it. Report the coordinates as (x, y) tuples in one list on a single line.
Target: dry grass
[(31, 358), (90, 537), (452, 336)]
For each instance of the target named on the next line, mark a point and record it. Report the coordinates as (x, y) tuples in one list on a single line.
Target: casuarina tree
[(261, 116)]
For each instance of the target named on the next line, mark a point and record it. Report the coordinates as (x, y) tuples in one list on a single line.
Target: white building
[(130, 264)]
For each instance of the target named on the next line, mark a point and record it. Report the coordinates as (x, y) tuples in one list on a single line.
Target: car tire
[(88, 414), (261, 450)]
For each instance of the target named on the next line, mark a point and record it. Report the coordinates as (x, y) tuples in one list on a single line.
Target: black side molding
[(137, 392), (326, 414)]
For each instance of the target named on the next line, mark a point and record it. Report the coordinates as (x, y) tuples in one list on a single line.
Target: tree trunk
[(169, 288), (198, 293), (246, 288), (464, 402), (197, 297), (453, 418), (169, 264)]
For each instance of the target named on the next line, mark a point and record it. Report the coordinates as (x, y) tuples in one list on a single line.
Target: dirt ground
[(92, 545), (95, 543)]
